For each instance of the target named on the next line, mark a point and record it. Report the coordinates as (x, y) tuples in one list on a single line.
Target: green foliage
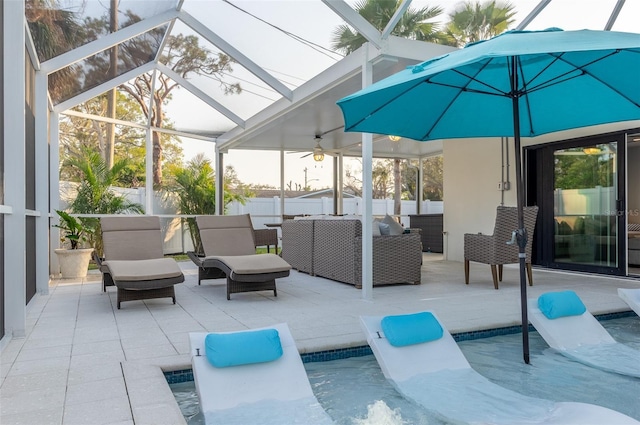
[(413, 25), (195, 187), (95, 194), (78, 133), (74, 230), (54, 31), (583, 171), (473, 21)]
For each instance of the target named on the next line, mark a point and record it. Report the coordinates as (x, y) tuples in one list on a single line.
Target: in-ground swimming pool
[(354, 391)]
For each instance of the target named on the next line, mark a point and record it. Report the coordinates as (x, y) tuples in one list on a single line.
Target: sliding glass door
[(585, 205), (579, 186)]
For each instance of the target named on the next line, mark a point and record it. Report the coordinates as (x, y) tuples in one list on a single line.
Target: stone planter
[(74, 263)]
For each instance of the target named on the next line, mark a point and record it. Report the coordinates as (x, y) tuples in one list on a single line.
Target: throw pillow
[(384, 228), (376, 227), (240, 348), (409, 329), (560, 304), (394, 227)]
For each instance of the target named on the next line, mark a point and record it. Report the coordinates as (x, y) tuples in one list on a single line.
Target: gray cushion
[(132, 238), (253, 264), (376, 228), (226, 234), (394, 227), (143, 270)]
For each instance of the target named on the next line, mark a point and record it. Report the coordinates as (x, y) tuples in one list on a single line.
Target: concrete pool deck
[(85, 362)]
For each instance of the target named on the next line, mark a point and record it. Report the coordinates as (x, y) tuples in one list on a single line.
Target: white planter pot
[(74, 263)]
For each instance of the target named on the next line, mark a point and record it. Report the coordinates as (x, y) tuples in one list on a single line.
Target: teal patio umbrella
[(520, 83)]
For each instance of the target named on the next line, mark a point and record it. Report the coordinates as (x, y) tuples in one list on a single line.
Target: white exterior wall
[(472, 170)]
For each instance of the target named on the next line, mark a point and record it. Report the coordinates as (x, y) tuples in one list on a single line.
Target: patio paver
[(85, 362)]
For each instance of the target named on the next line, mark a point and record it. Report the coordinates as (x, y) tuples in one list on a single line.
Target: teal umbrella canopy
[(565, 79), (520, 83)]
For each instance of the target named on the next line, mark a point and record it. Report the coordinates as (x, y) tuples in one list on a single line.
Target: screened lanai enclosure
[(135, 98)]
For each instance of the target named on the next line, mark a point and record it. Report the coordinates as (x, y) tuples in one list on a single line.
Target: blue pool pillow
[(241, 348), (409, 329), (560, 304)]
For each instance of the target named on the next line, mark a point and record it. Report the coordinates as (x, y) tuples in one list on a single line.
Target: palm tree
[(473, 21), (54, 31), (195, 187), (413, 24), (95, 195)]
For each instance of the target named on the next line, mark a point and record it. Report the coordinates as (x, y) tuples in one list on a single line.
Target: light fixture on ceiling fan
[(318, 152)]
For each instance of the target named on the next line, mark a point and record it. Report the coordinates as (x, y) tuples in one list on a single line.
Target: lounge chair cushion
[(410, 329), (143, 270), (241, 348), (252, 264), (560, 304)]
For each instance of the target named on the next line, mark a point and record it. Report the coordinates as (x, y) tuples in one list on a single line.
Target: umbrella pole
[(521, 232)]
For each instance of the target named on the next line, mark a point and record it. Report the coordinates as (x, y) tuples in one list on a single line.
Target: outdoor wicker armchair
[(494, 250)]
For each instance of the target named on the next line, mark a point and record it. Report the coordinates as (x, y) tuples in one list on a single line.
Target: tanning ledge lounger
[(631, 297), (260, 378), (432, 371), (567, 326)]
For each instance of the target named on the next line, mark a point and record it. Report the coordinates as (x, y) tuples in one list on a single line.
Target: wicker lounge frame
[(229, 251), (494, 250), (134, 260)]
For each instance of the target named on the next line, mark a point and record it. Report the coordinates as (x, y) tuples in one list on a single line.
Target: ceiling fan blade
[(304, 156)]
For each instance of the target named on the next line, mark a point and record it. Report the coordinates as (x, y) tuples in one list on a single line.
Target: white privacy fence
[(267, 210), (262, 210), (597, 200)]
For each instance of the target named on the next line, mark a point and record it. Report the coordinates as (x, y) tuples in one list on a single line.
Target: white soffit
[(292, 125)]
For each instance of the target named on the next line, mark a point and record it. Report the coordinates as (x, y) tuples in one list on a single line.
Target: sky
[(294, 62)]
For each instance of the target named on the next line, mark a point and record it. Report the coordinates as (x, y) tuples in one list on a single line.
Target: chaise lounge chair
[(631, 297), (252, 377), (133, 259), (422, 360), (565, 324), (230, 250)]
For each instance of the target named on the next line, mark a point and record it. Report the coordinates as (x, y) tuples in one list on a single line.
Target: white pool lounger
[(273, 392), (436, 375), (582, 338), (631, 297)]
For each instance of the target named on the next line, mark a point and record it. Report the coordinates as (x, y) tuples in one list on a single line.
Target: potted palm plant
[(74, 260)]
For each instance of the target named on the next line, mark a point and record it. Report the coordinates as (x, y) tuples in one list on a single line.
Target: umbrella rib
[(584, 71), (462, 89), (561, 78), (526, 98), (360, 121)]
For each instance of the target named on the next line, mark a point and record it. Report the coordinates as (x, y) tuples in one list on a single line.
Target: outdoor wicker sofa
[(333, 249)]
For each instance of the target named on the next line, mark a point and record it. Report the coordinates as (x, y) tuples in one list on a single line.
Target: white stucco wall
[(472, 170)]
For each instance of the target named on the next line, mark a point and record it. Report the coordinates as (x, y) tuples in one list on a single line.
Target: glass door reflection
[(585, 213)]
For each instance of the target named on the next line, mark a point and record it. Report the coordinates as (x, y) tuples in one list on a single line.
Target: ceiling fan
[(318, 152)]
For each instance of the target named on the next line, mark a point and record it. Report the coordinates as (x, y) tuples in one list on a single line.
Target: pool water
[(354, 391)]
